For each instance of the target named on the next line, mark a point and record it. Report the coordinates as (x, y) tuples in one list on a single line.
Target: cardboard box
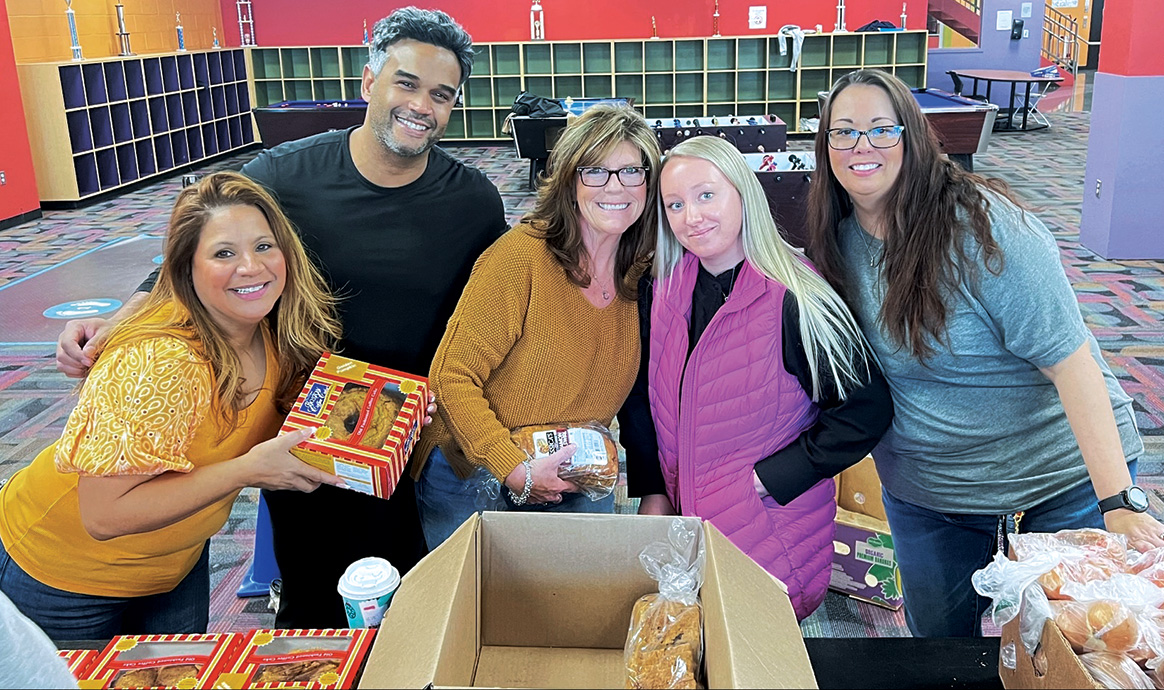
[(1057, 667), (374, 471), (193, 661), (341, 650), (78, 660), (524, 600), (859, 490), (864, 565)]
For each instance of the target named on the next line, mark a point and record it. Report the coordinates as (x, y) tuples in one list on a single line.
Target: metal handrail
[(1061, 39)]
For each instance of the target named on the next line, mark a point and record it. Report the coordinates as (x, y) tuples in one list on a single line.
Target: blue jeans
[(446, 501), (938, 552), (70, 616)]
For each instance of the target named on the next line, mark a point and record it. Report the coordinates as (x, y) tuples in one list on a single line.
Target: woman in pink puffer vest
[(756, 387)]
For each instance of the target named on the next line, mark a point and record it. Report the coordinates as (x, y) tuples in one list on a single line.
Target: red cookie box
[(78, 660), (298, 659), (170, 661), (373, 471)]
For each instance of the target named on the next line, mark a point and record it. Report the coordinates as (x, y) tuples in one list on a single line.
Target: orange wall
[(19, 194), (40, 31)]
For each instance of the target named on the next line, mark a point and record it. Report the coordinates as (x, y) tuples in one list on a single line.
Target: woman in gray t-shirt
[(1006, 415)]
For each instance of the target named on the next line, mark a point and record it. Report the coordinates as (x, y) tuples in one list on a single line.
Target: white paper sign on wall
[(1064, 3), (1004, 20), (758, 17), (1025, 12)]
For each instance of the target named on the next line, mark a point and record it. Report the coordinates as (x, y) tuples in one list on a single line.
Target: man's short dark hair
[(426, 26)]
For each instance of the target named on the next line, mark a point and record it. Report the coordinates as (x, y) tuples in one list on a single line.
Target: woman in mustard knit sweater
[(546, 331)]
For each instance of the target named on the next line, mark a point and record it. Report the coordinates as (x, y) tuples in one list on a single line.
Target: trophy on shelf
[(537, 22), (246, 23), (122, 34), (214, 33), (366, 32), (654, 29), (181, 34), (72, 17), (715, 21), (840, 16), (903, 16)]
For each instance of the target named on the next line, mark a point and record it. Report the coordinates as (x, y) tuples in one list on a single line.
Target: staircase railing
[(1061, 39)]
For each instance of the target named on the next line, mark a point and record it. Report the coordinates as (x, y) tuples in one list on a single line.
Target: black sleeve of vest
[(636, 427), (151, 280), (844, 432)]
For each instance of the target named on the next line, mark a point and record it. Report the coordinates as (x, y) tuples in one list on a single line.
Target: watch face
[(1138, 498)]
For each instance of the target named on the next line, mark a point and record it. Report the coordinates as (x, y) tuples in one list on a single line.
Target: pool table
[(963, 125), (280, 122)]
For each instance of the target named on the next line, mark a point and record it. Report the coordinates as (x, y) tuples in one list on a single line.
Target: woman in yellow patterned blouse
[(104, 533)]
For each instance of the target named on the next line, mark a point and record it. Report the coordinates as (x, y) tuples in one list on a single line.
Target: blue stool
[(257, 581)]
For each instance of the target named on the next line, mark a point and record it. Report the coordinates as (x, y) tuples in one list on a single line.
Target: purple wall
[(995, 49), (1123, 152)]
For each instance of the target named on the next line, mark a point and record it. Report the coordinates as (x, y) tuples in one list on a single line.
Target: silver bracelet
[(520, 499)]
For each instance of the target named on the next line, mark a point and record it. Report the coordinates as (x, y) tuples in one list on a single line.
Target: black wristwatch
[(1132, 498)]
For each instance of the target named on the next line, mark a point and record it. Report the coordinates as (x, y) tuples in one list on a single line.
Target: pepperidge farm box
[(368, 419)]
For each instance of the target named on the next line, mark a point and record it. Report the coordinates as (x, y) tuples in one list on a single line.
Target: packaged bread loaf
[(594, 466), (666, 639), (664, 643)]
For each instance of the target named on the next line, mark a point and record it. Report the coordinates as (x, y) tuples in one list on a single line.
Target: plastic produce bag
[(664, 644), (1115, 670), (1085, 555), (29, 658), (594, 465), (1013, 585)]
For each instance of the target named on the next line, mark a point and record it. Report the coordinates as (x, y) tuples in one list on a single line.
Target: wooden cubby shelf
[(100, 124), (681, 77)]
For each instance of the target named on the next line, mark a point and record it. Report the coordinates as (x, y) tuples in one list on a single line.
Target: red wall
[(311, 22), (19, 195), (1131, 38)]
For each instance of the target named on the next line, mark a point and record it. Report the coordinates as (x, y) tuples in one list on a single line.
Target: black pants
[(317, 535)]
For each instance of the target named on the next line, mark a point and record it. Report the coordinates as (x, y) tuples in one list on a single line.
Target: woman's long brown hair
[(929, 211), (586, 142), (302, 325)]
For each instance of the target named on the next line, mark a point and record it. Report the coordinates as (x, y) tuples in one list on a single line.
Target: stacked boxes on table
[(258, 659), (864, 566)]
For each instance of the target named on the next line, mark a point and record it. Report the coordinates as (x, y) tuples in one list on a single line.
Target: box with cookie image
[(78, 660), (161, 661), (298, 659), (368, 418)]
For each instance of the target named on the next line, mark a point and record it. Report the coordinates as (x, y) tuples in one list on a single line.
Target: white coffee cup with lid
[(367, 587)]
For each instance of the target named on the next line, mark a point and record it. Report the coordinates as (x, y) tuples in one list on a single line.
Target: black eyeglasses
[(630, 176), (846, 138)]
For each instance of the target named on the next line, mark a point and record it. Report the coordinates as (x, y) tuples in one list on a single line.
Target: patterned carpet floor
[(1123, 303)]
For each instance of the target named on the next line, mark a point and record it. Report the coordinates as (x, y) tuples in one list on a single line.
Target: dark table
[(963, 125), (1014, 78), (292, 120), (904, 662)]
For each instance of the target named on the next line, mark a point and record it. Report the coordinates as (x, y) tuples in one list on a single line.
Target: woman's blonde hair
[(830, 335), (302, 324), (587, 141)]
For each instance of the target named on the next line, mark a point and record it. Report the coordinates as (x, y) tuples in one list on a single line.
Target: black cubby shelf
[(675, 77), (104, 123)]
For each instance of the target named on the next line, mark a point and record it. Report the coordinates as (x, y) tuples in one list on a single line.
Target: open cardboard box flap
[(544, 600), (1063, 669)]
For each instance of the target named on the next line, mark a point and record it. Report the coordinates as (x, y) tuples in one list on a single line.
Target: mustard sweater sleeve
[(487, 323)]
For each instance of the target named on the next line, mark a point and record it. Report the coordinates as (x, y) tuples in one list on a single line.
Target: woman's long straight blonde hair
[(830, 335)]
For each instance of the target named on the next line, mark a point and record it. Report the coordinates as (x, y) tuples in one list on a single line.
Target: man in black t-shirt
[(395, 224)]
